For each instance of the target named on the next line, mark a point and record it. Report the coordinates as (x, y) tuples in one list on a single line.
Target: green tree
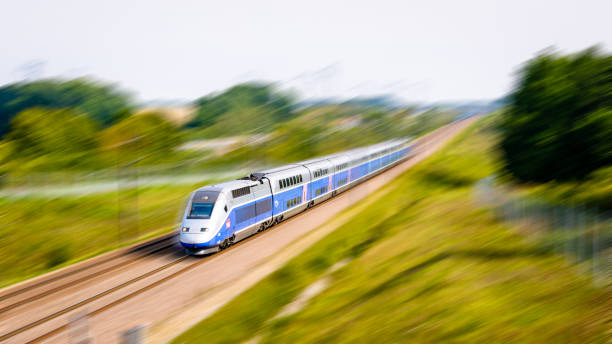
[(559, 124), (139, 136), (103, 102), (39, 131), (245, 106)]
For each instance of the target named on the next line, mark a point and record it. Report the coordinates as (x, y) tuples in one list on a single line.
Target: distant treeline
[(55, 124), (103, 103)]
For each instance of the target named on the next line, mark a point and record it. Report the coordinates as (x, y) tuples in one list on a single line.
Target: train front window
[(200, 210)]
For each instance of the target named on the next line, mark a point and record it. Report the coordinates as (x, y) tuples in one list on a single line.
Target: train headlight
[(203, 229), (185, 229)]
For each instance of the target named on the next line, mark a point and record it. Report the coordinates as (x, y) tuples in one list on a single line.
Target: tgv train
[(219, 215)]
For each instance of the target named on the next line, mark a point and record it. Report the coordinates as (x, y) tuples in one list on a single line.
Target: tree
[(559, 123), (103, 102), (39, 131), (140, 136), (245, 104)]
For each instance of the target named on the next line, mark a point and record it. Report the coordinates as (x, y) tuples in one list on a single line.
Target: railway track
[(38, 290), (88, 266), (157, 246), (107, 306)]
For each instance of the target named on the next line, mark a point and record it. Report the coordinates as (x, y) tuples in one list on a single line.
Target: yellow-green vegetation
[(42, 234), (428, 266), (595, 192)]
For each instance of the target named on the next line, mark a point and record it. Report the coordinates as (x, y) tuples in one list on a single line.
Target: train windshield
[(200, 210), (202, 204)]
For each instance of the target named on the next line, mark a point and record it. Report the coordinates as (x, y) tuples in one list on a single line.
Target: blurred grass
[(43, 234), (428, 266), (595, 192)]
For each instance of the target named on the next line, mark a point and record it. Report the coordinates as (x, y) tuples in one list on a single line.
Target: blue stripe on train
[(201, 245), (318, 187)]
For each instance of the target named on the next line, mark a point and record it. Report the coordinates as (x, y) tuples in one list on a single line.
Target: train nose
[(195, 227), (194, 240), (185, 230), (195, 233), (191, 238)]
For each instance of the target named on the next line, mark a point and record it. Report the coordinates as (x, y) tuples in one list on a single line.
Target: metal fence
[(583, 235)]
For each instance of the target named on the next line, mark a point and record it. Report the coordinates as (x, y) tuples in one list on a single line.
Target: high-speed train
[(222, 214)]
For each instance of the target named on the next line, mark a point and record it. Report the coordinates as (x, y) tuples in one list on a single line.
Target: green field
[(427, 265), (43, 234)]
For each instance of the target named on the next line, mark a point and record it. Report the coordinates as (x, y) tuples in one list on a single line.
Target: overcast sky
[(416, 50)]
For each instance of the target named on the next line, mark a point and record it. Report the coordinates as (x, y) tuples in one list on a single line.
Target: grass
[(594, 193), (428, 266), (43, 234)]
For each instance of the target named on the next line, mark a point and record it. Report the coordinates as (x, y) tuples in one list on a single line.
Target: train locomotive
[(219, 215)]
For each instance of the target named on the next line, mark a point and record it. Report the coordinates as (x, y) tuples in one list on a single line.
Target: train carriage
[(290, 187), (340, 178)]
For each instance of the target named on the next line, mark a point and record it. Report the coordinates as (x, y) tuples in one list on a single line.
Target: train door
[(245, 213), (263, 204)]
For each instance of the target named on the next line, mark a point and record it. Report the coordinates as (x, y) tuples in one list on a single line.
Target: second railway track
[(160, 245), (87, 266), (48, 334)]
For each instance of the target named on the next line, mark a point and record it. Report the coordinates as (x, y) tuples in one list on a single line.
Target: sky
[(415, 50)]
